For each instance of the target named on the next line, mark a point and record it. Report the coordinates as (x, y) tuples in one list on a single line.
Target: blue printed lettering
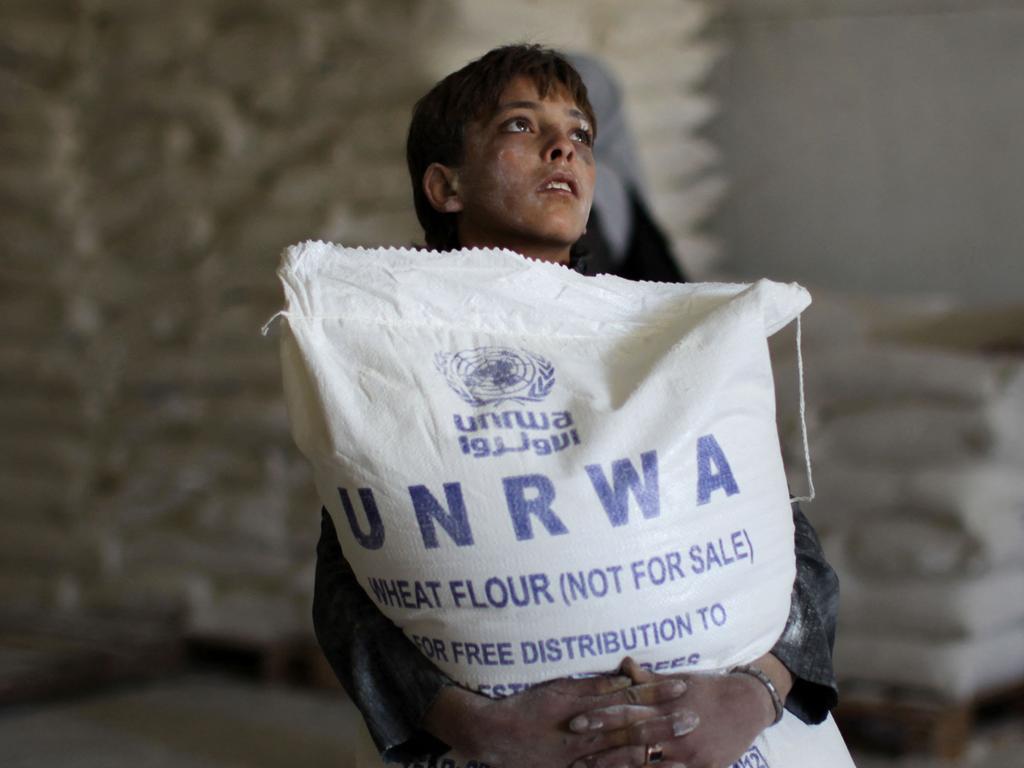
[(495, 418), (521, 508), (595, 583), (498, 591), (397, 592), (483, 654), (499, 691), (657, 570), (374, 538), (461, 425), (431, 647), (530, 420), (752, 758), (453, 520), (720, 552), (717, 614), (560, 442), (625, 480), (708, 452), (523, 422)]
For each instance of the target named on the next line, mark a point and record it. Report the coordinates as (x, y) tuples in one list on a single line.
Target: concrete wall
[(875, 145)]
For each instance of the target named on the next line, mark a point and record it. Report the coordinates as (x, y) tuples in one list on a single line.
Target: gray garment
[(393, 684), (618, 162)]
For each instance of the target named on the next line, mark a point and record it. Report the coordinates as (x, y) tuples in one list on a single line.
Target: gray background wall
[(875, 145)]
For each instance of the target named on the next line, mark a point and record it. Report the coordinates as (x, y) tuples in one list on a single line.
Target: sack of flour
[(535, 473)]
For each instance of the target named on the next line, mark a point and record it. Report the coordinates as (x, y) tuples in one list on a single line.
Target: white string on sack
[(267, 325), (803, 417)]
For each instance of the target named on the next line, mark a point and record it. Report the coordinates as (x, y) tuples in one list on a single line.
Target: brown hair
[(439, 119)]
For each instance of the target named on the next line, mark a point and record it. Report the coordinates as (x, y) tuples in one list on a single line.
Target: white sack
[(932, 608), (959, 520), (536, 473), (873, 372), (955, 668), (916, 546), (920, 434)]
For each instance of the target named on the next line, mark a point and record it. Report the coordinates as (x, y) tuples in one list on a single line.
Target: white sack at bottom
[(535, 473)]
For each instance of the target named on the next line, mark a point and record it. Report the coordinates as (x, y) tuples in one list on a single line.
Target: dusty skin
[(527, 178)]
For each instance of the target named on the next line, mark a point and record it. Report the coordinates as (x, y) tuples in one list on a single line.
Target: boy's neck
[(555, 253)]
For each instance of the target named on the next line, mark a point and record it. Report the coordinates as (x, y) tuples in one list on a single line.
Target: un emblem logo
[(492, 375)]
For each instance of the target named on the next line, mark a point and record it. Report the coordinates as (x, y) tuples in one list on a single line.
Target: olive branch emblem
[(545, 380)]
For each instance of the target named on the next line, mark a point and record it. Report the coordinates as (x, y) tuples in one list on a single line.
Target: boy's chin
[(561, 238), (551, 243)]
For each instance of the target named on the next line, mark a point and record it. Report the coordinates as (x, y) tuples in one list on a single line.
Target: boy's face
[(527, 177)]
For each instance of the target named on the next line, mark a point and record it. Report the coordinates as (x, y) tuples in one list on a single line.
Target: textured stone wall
[(156, 160)]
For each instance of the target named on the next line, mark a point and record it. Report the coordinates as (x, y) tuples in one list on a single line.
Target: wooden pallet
[(897, 722), (267, 659), (45, 657), (317, 673), (285, 660)]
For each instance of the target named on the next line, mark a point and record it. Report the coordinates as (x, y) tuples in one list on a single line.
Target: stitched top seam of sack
[(598, 331)]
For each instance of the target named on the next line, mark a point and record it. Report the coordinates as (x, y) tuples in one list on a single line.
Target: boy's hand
[(531, 729), (731, 710)]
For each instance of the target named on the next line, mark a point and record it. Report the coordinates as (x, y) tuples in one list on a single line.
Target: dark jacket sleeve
[(390, 681), (805, 646)]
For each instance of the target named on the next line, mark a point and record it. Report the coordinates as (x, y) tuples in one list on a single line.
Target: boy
[(501, 155)]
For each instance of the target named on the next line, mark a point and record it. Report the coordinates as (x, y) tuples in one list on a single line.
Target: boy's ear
[(441, 186)]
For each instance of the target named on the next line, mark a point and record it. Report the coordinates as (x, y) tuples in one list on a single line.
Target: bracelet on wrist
[(758, 674)]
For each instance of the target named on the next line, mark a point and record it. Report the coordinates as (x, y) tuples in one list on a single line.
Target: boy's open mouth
[(560, 182)]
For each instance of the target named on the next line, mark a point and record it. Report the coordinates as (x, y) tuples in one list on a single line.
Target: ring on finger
[(653, 754)]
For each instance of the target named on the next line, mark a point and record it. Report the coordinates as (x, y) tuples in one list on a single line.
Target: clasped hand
[(698, 720)]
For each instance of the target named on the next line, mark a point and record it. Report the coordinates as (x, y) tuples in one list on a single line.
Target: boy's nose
[(560, 147)]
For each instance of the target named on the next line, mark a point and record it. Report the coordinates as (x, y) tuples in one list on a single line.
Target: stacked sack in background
[(917, 437), (156, 160)]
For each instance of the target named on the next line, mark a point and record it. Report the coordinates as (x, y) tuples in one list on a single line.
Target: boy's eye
[(517, 125), (582, 135)]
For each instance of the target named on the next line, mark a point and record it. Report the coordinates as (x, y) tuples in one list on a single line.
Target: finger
[(612, 718), (653, 693), (623, 756), (663, 729), (599, 685)]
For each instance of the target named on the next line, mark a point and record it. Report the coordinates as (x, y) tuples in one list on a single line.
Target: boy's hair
[(439, 119)]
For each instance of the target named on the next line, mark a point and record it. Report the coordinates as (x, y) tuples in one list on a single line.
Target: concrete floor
[(198, 721), (210, 721)]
